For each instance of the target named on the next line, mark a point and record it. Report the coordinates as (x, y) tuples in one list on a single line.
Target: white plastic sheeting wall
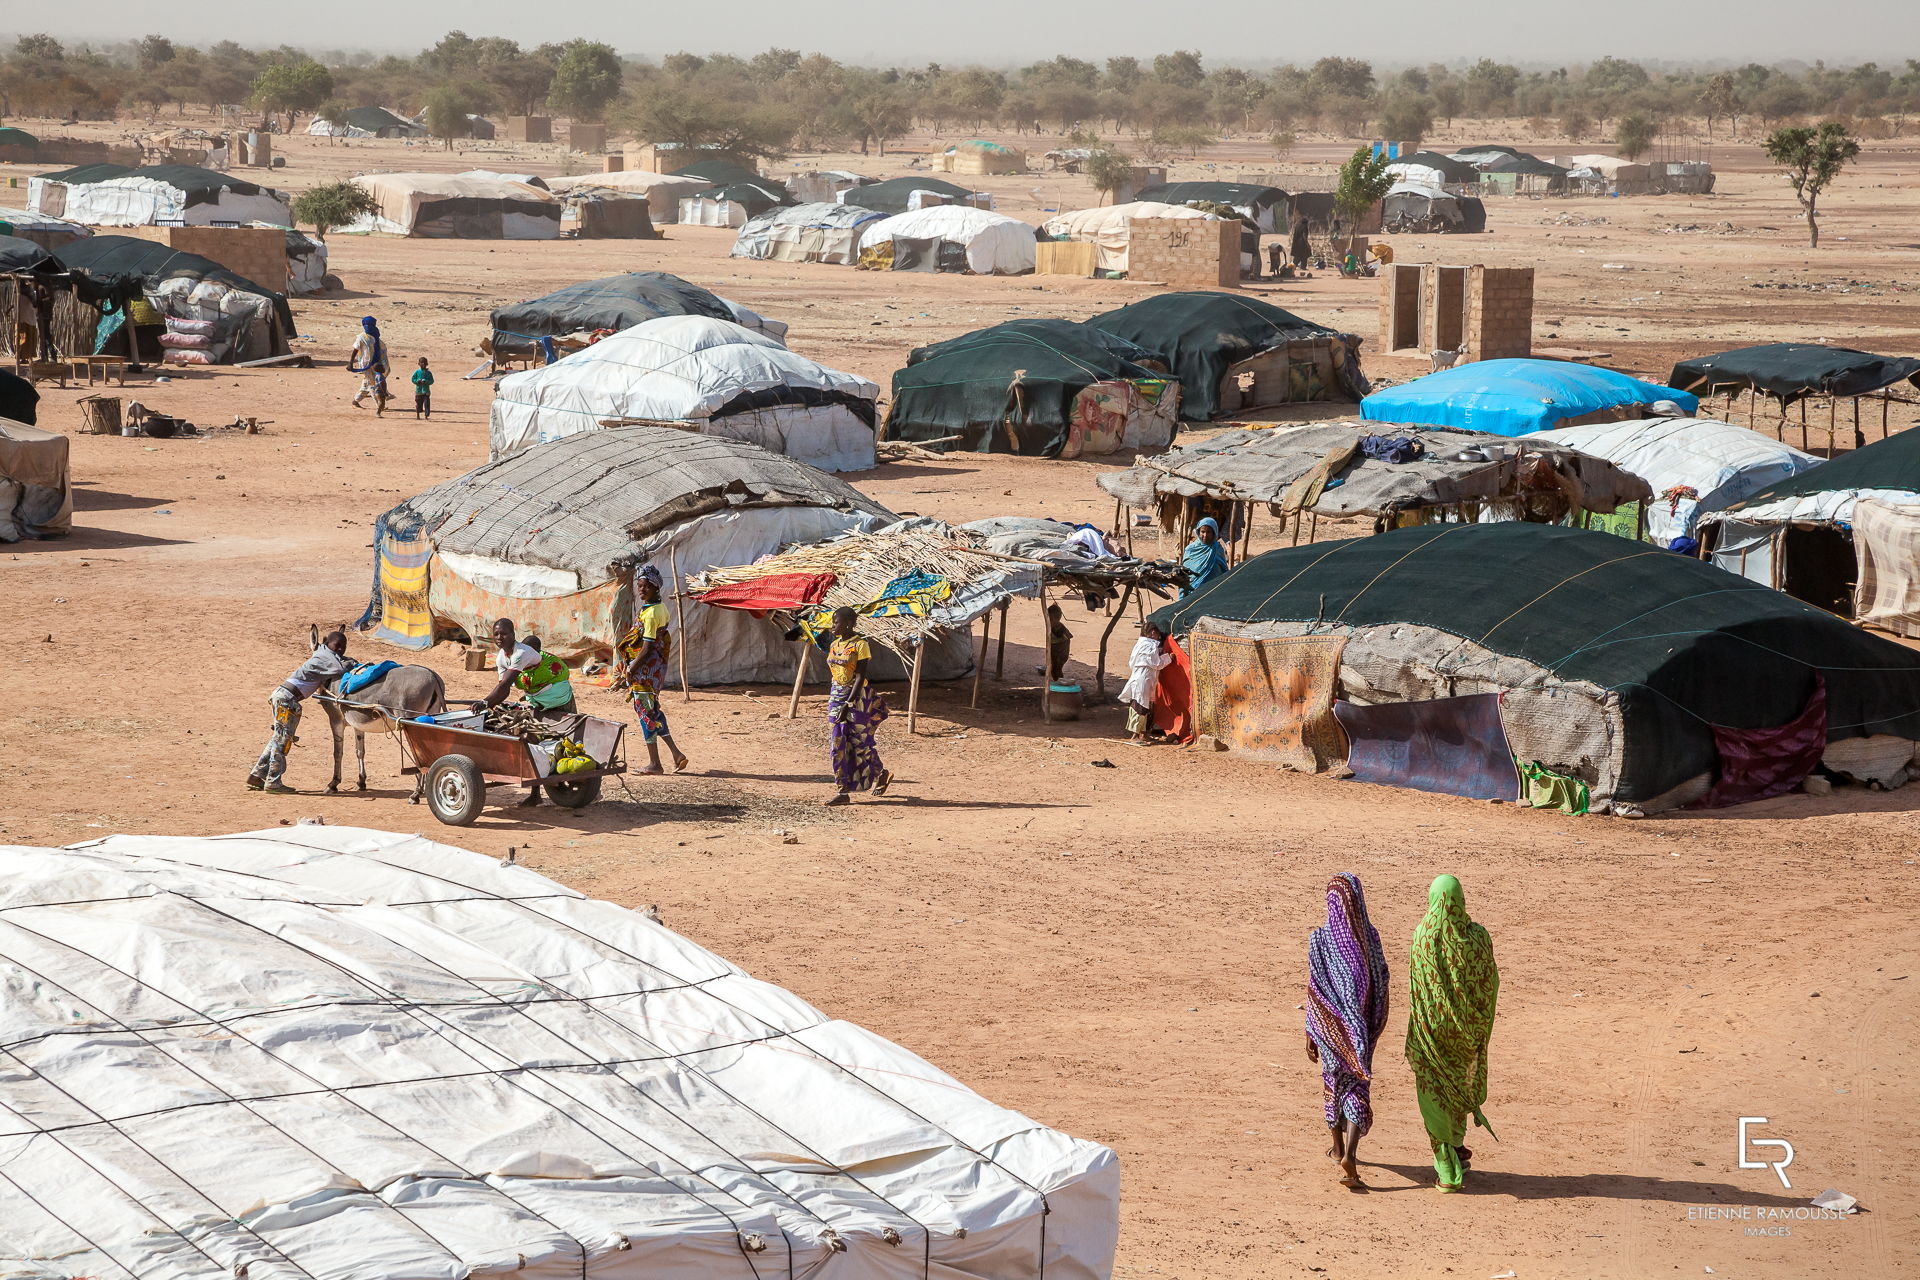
[(329, 1053)]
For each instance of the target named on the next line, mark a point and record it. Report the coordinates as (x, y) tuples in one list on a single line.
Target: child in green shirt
[(423, 390)]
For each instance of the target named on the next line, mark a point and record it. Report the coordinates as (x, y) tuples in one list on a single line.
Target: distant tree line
[(782, 99)]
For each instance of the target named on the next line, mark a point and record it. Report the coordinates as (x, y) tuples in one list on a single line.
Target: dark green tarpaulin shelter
[(12, 137), (381, 122), (1006, 389), (755, 197), (1685, 647), (1789, 370), (110, 269), (611, 302), (18, 254), (892, 195), (1066, 334), (1202, 334), (723, 173)]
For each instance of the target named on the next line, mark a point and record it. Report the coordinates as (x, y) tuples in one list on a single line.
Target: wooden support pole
[(1000, 653), (913, 685), (799, 678), (1886, 398), (1100, 665), (679, 622), (1046, 667), (1833, 423), (980, 667), (1859, 438)]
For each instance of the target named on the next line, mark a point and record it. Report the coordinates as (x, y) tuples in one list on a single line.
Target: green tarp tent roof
[(723, 173), (1684, 645), (966, 386), (374, 119), (1201, 334), (12, 137), (892, 195)]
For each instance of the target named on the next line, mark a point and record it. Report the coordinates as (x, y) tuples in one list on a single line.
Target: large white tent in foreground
[(328, 1053)]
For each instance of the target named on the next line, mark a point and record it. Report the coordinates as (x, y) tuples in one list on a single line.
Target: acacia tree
[(333, 204), (1108, 171), (1811, 159), (1364, 182), (292, 87), (586, 80), (1633, 135)]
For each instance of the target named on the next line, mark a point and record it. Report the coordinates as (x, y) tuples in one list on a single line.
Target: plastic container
[(1064, 701)]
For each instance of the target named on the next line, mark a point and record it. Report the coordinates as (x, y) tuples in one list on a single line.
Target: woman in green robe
[(1455, 985)]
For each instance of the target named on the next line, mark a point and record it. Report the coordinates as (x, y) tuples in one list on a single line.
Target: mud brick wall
[(1185, 252), (257, 253), (530, 128)]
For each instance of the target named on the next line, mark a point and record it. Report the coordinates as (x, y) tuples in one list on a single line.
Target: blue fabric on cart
[(363, 675)]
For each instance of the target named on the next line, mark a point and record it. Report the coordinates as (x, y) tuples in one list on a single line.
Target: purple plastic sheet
[(1455, 746)]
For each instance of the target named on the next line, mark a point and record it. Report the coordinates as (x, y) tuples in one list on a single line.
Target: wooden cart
[(459, 763)]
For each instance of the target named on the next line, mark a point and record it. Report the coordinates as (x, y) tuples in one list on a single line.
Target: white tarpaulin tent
[(466, 206), (331, 1053), (818, 232), (172, 194), (995, 244), (1719, 462), (662, 191), (717, 377), (1108, 228)]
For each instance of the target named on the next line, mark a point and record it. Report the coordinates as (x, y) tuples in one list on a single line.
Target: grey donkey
[(405, 691)]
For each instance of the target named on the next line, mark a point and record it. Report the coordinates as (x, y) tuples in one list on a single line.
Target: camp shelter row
[(1538, 664)]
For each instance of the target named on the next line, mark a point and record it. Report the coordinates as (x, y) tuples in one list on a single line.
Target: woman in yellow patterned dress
[(854, 712), (642, 670)]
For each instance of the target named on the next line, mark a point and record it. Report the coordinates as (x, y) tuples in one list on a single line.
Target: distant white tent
[(819, 232), (330, 1052), (717, 377), (465, 206), (107, 195), (994, 244), (662, 191)]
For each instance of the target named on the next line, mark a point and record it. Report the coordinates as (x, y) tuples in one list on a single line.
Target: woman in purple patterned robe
[(1346, 1013)]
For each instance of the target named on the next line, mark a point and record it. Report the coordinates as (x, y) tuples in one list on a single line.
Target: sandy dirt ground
[(1117, 952)]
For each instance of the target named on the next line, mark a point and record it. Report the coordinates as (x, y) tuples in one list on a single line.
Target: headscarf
[(377, 358), (1454, 989), (1205, 561), (1346, 981), (650, 574)]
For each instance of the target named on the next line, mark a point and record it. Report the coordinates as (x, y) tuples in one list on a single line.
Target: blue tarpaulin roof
[(1514, 397)]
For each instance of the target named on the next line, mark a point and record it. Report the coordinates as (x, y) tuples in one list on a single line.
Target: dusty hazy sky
[(1011, 32)]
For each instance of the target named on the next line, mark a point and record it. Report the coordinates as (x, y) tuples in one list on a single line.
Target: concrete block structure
[(257, 253), (1184, 252), (1482, 312)]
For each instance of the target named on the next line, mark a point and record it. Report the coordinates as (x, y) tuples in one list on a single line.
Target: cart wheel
[(455, 790), (573, 795)]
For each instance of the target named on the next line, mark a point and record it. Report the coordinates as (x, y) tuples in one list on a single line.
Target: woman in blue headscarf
[(369, 360), (1203, 557)]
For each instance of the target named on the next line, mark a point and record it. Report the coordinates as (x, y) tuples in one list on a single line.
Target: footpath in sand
[(1117, 952)]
